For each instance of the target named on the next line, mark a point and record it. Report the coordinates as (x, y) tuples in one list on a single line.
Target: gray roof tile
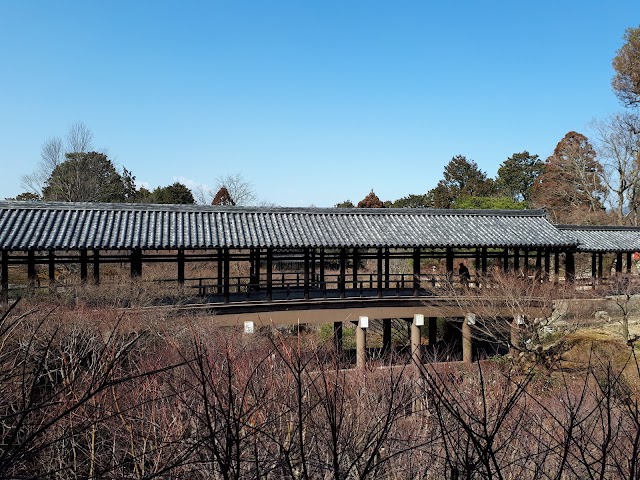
[(604, 238), (43, 226)]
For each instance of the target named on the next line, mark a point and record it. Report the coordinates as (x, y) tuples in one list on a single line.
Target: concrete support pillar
[(515, 332), (467, 339), (416, 344), (361, 342)]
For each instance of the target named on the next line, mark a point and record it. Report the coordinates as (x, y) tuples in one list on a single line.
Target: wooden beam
[(343, 272), (354, 277), (416, 271), (379, 271), (269, 274), (84, 265), (96, 266), (31, 268), (4, 277), (181, 266), (306, 273), (386, 335), (225, 276)]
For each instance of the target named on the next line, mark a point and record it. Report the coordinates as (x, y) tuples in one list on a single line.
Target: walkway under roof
[(41, 226)]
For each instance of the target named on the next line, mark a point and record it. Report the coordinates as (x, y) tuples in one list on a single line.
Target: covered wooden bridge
[(285, 265)]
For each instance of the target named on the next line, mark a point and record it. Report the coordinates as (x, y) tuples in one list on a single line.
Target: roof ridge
[(39, 205)]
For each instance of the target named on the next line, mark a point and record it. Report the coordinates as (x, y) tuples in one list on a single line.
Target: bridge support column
[(467, 342), (416, 343), (386, 335), (515, 332), (337, 337), (361, 342)]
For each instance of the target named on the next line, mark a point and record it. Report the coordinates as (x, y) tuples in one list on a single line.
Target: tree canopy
[(87, 177), (517, 174), (370, 201), (626, 63), (176, 193), (571, 187), (462, 178), (223, 197)]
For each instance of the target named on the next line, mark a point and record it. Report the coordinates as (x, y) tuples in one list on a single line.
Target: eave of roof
[(64, 226)]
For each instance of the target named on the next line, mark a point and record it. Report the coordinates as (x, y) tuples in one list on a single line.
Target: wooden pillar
[(355, 269), (361, 343), (226, 288), (181, 266), (505, 260), (269, 274), (433, 331), (556, 263), (449, 264), (31, 268), (484, 260), (478, 262), (96, 266), (306, 273), (467, 340), (547, 263), (628, 262), (619, 262), (416, 344), (386, 335), (343, 272), (4, 277), (52, 268), (600, 265), (136, 263), (256, 270), (337, 336), (526, 262), (538, 264), (416, 272), (387, 274), (516, 259), (379, 271), (570, 267), (219, 271), (83, 265), (594, 269), (252, 268), (321, 268), (313, 266)]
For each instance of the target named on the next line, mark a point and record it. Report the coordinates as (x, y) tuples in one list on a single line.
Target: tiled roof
[(604, 238), (64, 226)]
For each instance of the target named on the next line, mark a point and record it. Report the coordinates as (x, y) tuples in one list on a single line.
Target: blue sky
[(313, 102)]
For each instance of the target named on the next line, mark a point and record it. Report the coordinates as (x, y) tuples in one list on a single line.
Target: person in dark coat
[(465, 276)]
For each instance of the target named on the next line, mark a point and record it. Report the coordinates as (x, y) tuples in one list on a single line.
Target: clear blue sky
[(314, 102)]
